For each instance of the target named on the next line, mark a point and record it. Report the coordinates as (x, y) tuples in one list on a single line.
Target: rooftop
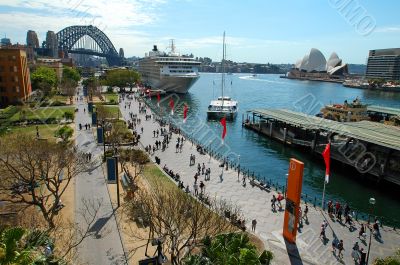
[(386, 110), (373, 132)]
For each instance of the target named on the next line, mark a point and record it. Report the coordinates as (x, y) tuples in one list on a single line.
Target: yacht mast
[(223, 68)]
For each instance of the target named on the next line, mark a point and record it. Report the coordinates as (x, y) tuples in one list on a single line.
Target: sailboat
[(223, 106)]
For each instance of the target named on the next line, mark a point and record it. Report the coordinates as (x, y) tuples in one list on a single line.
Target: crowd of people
[(336, 211)]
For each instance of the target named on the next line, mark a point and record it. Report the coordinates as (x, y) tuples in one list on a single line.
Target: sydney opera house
[(315, 66)]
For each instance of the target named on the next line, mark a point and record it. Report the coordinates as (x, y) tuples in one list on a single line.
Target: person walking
[(196, 189), (305, 217), (273, 201), (253, 225), (341, 249), (361, 233), (335, 244), (202, 187), (355, 254)]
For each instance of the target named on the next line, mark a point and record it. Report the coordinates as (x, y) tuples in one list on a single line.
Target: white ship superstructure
[(169, 72)]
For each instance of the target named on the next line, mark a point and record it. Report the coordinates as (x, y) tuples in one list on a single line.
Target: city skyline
[(260, 32)]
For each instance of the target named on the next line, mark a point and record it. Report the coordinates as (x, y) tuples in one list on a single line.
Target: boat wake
[(252, 78)]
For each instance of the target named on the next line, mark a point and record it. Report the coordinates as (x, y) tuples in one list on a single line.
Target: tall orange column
[(293, 195)]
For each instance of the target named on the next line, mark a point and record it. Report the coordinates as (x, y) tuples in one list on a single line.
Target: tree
[(69, 115), (37, 173), (390, 260), (21, 246), (122, 78), (44, 78), (70, 73), (178, 218), (64, 133), (69, 81), (229, 249)]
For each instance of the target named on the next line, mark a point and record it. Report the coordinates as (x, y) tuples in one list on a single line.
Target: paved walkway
[(104, 246), (255, 204)]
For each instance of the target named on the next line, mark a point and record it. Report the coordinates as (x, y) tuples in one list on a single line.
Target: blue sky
[(258, 31)]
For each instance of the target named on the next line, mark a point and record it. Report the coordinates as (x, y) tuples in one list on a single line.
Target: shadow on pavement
[(99, 224), (293, 252)]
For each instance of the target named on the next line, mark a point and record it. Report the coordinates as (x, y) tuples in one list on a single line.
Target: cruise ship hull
[(173, 84)]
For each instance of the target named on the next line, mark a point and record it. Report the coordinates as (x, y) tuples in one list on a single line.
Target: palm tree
[(21, 246)]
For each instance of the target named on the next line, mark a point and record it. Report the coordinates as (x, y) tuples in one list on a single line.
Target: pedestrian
[(202, 187), (273, 201), (335, 243), (361, 233), (253, 225), (202, 169), (86, 126), (363, 257), (355, 254), (84, 110), (305, 213), (198, 168), (341, 249), (176, 147), (195, 188), (80, 126), (141, 129), (154, 134)]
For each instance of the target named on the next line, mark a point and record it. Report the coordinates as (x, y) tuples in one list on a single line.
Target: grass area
[(110, 97), (114, 110), (41, 113), (152, 173), (61, 98), (46, 131)]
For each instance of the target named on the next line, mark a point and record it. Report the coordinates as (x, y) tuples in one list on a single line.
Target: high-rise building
[(5, 42), (32, 39), (52, 44), (121, 53), (384, 63), (15, 82)]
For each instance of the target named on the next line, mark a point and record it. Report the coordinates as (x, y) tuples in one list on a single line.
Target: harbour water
[(269, 159)]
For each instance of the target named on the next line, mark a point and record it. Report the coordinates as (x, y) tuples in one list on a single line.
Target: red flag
[(185, 110), (223, 123), (171, 104), (327, 156), (158, 99)]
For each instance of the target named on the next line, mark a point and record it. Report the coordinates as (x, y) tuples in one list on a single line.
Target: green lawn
[(114, 110), (46, 131), (61, 98), (110, 97), (41, 113), (152, 173)]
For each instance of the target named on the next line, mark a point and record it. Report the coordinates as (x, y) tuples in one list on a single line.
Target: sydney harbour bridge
[(88, 40)]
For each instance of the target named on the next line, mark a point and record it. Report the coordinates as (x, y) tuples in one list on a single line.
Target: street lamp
[(209, 150), (287, 176), (238, 167), (372, 203)]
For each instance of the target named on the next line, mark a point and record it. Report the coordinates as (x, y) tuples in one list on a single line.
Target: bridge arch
[(70, 35)]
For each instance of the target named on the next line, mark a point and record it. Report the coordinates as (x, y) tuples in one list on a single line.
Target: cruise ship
[(169, 72)]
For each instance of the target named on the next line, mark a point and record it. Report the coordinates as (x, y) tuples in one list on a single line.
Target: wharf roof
[(386, 110), (373, 132)]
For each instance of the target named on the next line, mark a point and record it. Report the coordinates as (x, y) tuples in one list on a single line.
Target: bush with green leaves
[(229, 249), (64, 133)]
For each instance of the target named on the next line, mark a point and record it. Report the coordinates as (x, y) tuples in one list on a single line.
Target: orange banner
[(293, 195)]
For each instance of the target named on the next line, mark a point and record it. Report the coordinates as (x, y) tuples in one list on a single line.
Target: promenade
[(256, 204), (104, 245)]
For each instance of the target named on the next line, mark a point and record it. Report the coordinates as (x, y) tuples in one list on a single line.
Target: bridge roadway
[(104, 245), (255, 204)]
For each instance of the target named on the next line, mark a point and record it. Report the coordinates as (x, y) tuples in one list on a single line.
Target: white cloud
[(388, 29)]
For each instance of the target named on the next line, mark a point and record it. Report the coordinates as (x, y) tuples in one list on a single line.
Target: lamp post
[(238, 167), (287, 176), (209, 150), (372, 203)]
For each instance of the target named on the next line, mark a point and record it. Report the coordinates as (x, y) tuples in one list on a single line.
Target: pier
[(371, 148)]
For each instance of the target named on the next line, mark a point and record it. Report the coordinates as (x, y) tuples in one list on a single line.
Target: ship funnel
[(155, 48)]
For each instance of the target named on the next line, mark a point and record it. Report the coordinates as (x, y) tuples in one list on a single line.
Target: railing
[(273, 184)]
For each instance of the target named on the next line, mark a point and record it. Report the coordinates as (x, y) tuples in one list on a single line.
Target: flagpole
[(323, 195)]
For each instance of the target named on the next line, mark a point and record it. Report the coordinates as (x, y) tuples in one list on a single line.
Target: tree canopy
[(44, 78), (122, 78), (70, 73), (229, 249)]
